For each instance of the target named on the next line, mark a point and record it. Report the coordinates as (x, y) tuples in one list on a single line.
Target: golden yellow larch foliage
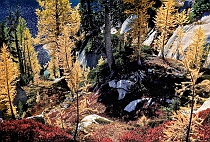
[(176, 131), (8, 77), (53, 17), (31, 60), (192, 62), (100, 61), (53, 65), (139, 24), (179, 47), (66, 46), (182, 18), (195, 51), (74, 77), (165, 22)]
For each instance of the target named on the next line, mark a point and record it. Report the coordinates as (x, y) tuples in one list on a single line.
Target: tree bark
[(107, 36), (19, 53)]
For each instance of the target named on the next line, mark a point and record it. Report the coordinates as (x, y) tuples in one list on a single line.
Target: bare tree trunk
[(108, 43), (77, 120)]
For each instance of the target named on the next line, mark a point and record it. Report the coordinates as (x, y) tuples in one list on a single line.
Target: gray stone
[(204, 106), (113, 83), (171, 46), (126, 26), (132, 105), (88, 59), (150, 38), (90, 119), (123, 87), (38, 118)]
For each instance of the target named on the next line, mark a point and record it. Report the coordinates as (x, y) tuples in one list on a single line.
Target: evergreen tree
[(107, 37), (9, 74), (95, 15), (14, 28)]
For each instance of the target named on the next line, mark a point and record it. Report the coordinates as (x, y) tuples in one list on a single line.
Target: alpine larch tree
[(8, 79), (192, 60), (52, 16), (193, 63), (13, 35), (165, 23), (140, 23)]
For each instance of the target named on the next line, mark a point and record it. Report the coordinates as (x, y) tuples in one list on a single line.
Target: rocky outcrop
[(88, 59), (122, 86), (171, 46), (143, 90), (204, 106)]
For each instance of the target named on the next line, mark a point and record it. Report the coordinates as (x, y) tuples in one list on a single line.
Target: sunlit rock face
[(90, 119), (178, 3), (171, 46)]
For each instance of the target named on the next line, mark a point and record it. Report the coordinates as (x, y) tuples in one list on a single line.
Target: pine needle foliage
[(139, 24), (8, 77), (165, 22)]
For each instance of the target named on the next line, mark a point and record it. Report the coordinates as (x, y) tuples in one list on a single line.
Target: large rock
[(204, 106), (126, 26), (132, 105), (88, 59), (90, 119), (150, 38), (171, 46), (122, 86)]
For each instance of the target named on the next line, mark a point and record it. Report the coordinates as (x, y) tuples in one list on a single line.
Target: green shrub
[(200, 7)]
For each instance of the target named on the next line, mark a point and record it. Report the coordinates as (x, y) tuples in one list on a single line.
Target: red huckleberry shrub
[(27, 130)]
